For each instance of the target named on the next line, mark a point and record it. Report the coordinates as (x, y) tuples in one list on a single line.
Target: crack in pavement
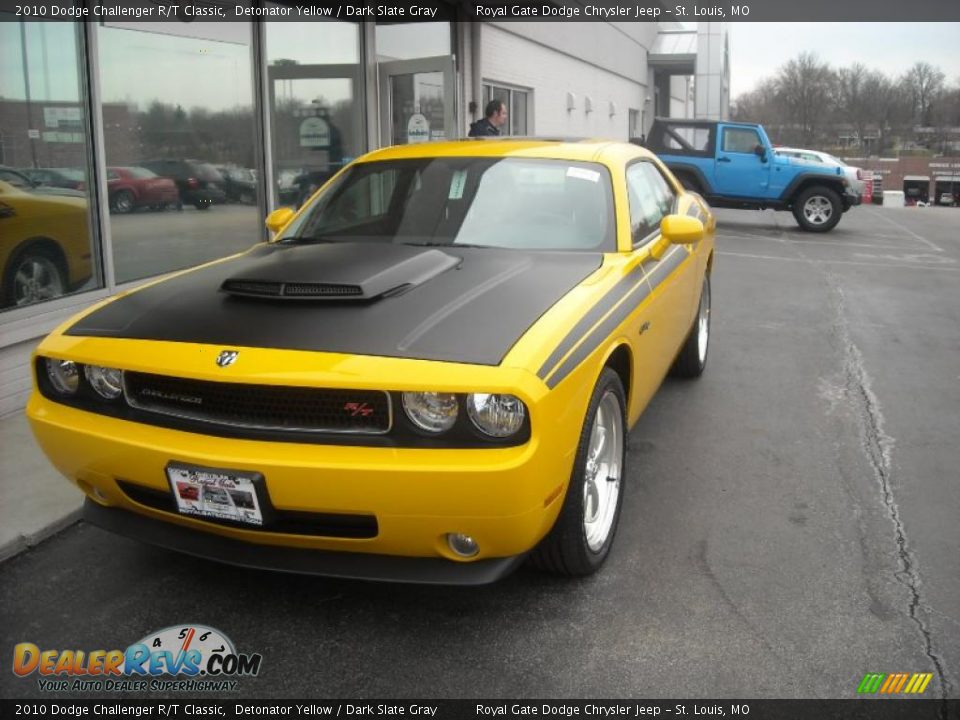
[(878, 448)]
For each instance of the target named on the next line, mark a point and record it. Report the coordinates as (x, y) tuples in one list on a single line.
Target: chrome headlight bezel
[(107, 382), (63, 376)]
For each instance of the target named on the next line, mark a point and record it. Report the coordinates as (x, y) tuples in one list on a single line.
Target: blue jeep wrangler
[(734, 165)]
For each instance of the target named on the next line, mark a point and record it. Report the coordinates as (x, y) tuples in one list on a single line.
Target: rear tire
[(581, 538), (692, 360), (817, 209)]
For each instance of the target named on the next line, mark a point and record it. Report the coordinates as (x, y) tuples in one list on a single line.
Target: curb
[(25, 542)]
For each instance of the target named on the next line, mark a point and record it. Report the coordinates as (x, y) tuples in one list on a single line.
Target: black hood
[(456, 304)]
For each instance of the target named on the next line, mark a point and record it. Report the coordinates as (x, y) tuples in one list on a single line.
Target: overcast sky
[(758, 49)]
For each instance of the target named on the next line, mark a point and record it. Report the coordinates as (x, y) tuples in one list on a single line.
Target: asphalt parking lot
[(790, 519)]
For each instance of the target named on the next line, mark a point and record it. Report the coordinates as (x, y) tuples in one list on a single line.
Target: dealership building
[(274, 108)]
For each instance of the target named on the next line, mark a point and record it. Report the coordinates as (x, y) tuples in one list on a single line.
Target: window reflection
[(316, 113), (179, 132), (45, 245)]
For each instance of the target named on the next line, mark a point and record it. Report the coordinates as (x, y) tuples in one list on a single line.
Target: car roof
[(576, 149)]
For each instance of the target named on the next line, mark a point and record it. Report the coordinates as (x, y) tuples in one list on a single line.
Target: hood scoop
[(336, 271)]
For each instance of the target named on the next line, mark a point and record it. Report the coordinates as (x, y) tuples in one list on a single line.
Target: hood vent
[(345, 272), (260, 288)]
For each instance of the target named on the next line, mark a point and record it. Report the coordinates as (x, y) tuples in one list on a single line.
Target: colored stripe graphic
[(894, 683), (871, 682)]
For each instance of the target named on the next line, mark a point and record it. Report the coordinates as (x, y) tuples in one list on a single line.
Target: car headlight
[(108, 382), (64, 375), (496, 415), (431, 411)]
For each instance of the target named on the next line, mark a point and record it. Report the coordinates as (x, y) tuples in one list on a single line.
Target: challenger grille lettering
[(175, 397)]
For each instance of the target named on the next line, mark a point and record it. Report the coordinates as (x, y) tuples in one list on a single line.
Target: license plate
[(216, 494)]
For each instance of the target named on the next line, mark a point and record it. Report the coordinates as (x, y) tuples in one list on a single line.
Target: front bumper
[(353, 566), (851, 198), (505, 498)]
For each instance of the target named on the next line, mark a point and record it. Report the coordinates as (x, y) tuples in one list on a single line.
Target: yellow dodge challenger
[(427, 375)]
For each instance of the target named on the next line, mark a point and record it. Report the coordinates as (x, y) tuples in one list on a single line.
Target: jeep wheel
[(817, 209)]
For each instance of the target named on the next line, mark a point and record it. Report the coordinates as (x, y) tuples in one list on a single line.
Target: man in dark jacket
[(495, 117)]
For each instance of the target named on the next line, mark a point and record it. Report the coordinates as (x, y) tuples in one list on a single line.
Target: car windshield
[(529, 204), (70, 173)]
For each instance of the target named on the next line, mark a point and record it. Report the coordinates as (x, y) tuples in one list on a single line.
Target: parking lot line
[(804, 241), (910, 232), (896, 266)]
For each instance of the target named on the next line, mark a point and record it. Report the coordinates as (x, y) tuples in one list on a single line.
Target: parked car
[(853, 174), (44, 245), (20, 181), (70, 178), (198, 183), (240, 184), (947, 198), (428, 375), (134, 187), (734, 165)]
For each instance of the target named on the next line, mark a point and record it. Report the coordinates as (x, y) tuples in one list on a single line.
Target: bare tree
[(926, 85), (805, 90), (854, 105)]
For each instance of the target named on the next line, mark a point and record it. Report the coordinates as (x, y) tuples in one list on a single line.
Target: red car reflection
[(133, 187)]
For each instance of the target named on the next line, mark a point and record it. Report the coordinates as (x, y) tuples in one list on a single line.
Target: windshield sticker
[(457, 184), (580, 173)]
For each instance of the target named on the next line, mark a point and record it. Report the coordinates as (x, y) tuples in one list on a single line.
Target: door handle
[(723, 159)]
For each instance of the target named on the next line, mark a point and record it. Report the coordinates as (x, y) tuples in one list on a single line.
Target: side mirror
[(279, 218), (681, 229), (761, 152)]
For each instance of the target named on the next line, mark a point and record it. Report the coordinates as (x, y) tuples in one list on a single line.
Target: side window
[(112, 175), (651, 199), (740, 140)]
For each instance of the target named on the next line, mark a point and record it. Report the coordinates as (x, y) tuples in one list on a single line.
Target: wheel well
[(829, 183), (48, 247), (689, 180), (621, 363)]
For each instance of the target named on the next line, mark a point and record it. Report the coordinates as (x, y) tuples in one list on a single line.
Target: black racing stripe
[(600, 333), (668, 263), (592, 317)]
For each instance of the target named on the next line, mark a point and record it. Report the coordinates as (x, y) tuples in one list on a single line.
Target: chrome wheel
[(818, 210), (36, 278), (123, 202), (703, 323), (602, 474)]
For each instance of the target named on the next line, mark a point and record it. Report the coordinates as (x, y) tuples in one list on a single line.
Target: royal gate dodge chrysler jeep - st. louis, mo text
[(427, 375)]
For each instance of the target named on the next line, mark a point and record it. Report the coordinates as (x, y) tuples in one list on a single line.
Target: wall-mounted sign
[(418, 129), (62, 118), (314, 133)]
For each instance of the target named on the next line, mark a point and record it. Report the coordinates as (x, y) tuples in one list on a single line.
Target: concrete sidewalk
[(35, 500)]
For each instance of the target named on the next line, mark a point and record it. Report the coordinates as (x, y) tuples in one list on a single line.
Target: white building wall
[(601, 61), (713, 75)]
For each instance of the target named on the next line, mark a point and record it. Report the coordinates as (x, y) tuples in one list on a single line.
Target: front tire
[(817, 209), (692, 360), (123, 202), (581, 538), (33, 276)]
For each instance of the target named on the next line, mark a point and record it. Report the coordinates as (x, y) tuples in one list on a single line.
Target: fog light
[(462, 545)]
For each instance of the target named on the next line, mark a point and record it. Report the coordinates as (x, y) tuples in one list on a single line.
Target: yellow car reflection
[(44, 245)]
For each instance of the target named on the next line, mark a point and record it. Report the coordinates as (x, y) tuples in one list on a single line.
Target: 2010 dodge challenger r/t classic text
[(427, 375)]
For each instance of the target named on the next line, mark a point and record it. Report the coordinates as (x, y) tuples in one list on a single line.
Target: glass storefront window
[(46, 246), (178, 118), (517, 102), (315, 96)]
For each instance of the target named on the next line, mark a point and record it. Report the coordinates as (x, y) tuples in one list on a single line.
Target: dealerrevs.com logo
[(188, 658)]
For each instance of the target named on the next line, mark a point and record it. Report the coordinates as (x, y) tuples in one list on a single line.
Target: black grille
[(281, 521), (266, 288), (268, 407)]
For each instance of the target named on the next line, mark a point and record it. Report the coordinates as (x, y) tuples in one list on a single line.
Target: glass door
[(417, 99)]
